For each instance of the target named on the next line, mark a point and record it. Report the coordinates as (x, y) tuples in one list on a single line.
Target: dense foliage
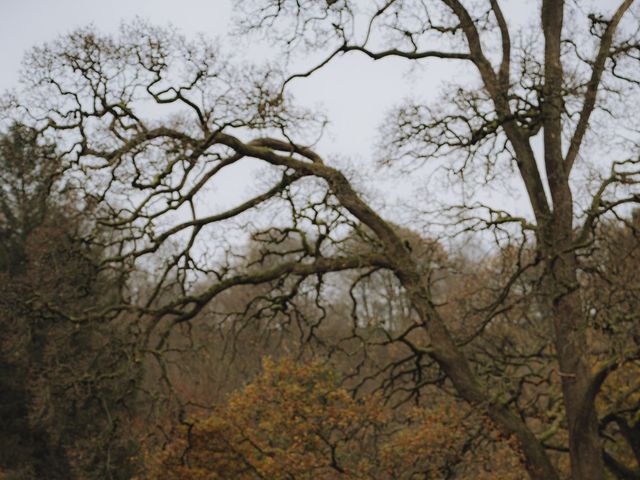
[(296, 421)]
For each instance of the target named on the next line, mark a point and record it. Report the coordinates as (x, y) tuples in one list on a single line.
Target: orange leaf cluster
[(295, 421)]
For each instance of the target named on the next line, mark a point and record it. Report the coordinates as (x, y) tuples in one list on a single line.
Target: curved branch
[(505, 65), (594, 83), (404, 54)]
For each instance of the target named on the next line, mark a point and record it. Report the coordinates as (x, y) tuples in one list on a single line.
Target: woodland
[(152, 330)]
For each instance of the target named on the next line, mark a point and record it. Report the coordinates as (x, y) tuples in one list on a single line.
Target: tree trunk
[(556, 243), (569, 323)]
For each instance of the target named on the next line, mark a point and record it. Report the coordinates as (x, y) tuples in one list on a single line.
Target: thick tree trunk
[(556, 237), (585, 449)]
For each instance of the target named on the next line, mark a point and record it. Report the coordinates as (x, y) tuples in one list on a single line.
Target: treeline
[(251, 388)]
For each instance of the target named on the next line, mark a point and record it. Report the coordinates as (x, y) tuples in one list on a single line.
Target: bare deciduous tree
[(106, 97)]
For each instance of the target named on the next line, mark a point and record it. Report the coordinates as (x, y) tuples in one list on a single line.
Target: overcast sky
[(354, 92)]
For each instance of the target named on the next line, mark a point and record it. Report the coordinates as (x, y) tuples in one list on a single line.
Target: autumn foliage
[(295, 421)]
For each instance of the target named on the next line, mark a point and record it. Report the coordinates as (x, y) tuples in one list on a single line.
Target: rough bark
[(585, 449)]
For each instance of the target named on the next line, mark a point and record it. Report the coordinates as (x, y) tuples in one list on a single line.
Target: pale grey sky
[(24, 23), (354, 92)]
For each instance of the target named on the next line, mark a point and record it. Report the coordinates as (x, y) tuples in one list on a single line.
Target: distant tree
[(68, 386), (29, 169)]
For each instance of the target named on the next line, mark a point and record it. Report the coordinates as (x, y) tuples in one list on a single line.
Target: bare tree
[(557, 89), (104, 97)]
